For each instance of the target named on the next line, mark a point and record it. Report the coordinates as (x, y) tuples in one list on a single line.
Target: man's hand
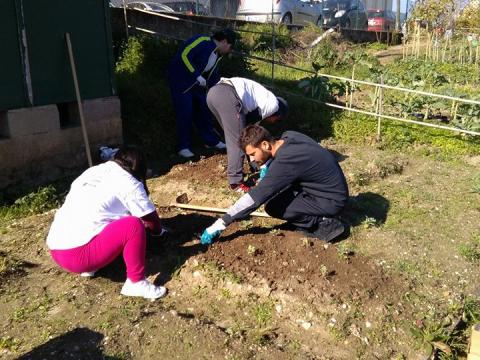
[(212, 232), (201, 81)]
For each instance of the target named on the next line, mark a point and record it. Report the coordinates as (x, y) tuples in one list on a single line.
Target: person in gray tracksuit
[(237, 102)]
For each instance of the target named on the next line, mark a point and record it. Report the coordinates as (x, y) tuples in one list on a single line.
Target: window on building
[(4, 129), (68, 114)]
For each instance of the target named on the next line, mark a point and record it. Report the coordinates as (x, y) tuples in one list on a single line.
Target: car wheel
[(287, 19)]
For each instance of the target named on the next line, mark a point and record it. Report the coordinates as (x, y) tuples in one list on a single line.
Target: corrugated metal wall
[(12, 87), (34, 64)]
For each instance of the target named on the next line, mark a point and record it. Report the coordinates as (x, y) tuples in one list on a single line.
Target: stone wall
[(44, 143)]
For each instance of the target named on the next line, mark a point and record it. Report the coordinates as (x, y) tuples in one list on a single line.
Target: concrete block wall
[(35, 149)]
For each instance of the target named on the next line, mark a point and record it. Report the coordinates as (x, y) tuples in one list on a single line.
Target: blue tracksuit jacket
[(189, 99), (190, 61)]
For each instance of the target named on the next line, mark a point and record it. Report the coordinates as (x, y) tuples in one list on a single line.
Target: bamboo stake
[(214, 209), (79, 100), (418, 42), (380, 111), (353, 79), (444, 51), (429, 47), (455, 109), (375, 96)]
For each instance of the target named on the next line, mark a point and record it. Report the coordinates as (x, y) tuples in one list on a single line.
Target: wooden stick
[(79, 100), (380, 110), (125, 17), (213, 209), (352, 84)]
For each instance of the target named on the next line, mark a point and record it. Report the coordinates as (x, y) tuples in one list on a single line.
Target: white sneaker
[(88, 274), (220, 146), (143, 288), (186, 153)]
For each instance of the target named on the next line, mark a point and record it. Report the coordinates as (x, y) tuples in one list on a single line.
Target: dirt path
[(390, 55), (262, 291)]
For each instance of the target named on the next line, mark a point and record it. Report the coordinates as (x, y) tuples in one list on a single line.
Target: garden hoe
[(182, 202)]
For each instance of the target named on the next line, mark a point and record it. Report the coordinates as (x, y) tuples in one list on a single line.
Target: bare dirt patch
[(262, 291)]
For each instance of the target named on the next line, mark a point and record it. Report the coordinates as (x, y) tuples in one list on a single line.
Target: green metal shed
[(34, 64)]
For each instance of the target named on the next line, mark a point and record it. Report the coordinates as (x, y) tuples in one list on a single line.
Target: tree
[(470, 16), (436, 13)]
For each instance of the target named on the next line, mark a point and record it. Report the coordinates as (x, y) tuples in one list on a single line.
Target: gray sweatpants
[(223, 102)]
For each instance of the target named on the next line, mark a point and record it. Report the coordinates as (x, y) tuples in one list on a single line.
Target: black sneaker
[(327, 230)]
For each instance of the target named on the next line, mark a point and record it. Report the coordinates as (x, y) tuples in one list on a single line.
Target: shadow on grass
[(366, 206), (13, 267), (80, 343)]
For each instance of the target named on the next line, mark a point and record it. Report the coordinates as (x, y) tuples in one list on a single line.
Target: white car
[(298, 12)]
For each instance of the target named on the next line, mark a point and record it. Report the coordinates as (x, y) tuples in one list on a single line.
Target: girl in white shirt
[(104, 215)]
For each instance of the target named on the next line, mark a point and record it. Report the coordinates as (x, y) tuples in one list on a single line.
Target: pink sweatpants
[(125, 235)]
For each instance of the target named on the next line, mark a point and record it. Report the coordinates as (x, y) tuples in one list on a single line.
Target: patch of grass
[(39, 309), (346, 250), (9, 343), (338, 333), (377, 46), (258, 36), (251, 250), (476, 185), (471, 252), (324, 270), (263, 336), (406, 266), (263, 313), (122, 355), (218, 274), (435, 331), (226, 293), (294, 345), (246, 224), (361, 129), (36, 202), (369, 222)]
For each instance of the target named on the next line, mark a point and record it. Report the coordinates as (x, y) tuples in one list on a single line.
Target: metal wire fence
[(351, 103)]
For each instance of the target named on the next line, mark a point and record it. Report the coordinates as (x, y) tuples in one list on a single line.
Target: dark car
[(380, 20), (149, 6), (349, 14), (187, 7)]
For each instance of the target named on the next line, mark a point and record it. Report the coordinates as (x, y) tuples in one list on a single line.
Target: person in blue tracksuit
[(192, 71)]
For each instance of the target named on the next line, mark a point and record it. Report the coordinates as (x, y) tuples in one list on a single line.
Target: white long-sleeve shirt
[(253, 96)]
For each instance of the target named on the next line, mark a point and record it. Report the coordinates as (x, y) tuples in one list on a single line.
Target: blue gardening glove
[(212, 232), (264, 170)]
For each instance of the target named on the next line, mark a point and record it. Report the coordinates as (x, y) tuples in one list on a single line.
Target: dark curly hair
[(253, 135)]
